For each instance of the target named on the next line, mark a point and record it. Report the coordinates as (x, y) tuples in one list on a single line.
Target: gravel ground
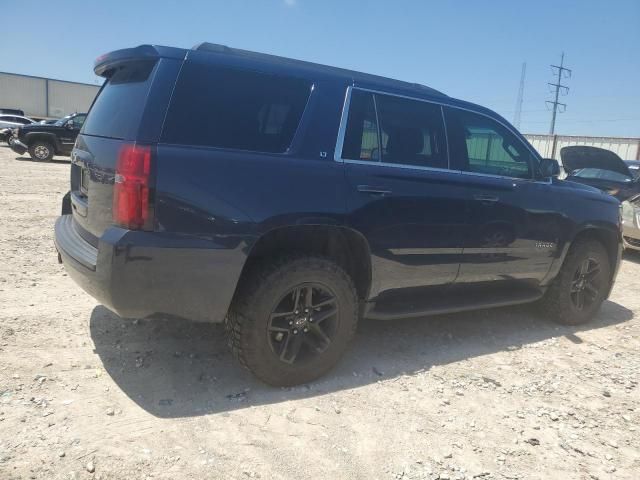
[(489, 394)]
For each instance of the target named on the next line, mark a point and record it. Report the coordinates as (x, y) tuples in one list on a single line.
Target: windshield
[(634, 168), (62, 121), (600, 174)]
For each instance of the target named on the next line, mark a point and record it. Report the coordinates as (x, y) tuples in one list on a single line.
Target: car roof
[(234, 56), (13, 115), (356, 78)]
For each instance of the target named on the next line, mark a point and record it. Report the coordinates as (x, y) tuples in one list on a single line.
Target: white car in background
[(631, 223), (14, 121), (9, 122)]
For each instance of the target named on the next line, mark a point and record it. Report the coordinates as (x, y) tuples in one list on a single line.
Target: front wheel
[(41, 151), (292, 319), (581, 286)]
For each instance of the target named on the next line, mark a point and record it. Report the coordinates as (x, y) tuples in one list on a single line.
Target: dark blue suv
[(289, 199)]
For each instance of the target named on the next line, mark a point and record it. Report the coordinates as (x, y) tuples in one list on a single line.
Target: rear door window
[(394, 130), (117, 110), (361, 135), (237, 109), (411, 132)]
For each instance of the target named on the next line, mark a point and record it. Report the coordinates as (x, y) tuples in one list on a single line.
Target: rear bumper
[(140, 274), (19, 147)]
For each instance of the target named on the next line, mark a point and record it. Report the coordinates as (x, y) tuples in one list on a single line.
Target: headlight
[(627, 213)]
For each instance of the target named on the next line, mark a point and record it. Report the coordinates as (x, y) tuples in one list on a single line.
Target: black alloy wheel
[(303, 323), (586, 284)]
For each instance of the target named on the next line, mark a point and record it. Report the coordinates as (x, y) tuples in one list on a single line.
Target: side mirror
[(549, 167), (69, 125)]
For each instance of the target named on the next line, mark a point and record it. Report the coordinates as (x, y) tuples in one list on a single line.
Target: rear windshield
[(117, 110), (235, 109)]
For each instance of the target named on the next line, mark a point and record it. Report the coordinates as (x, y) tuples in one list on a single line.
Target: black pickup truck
[(43, 141)]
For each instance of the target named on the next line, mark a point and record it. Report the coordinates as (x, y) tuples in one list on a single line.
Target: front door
[(70, 132), (402, 196), (513, 228)]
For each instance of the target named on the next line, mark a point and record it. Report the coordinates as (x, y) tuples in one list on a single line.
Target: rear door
[(401, 194), (513, 226), (129, 108)]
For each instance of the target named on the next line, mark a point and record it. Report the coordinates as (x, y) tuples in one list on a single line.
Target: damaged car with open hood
[(600, 168), (605, 170)]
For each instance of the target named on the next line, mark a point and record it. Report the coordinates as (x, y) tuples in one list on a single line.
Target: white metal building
[(549, 146), (41, 97)]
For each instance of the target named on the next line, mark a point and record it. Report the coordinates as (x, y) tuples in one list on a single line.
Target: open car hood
[(577, 157)]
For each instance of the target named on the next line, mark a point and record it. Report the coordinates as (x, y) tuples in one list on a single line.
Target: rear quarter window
[(237, 109), (117, 110)]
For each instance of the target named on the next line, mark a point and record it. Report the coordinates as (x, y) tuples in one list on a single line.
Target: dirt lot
[(488, 394)]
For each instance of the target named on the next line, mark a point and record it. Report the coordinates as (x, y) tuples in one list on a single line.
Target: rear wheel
[(41, 151), (581, 286), (292, 319)]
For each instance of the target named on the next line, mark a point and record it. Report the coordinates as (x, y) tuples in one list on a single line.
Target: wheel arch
[(609, 238), (347, 247), (30, 138)]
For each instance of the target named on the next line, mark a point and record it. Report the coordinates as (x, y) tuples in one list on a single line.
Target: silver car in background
[(631, 223)]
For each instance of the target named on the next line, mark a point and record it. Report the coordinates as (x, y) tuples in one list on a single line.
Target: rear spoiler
[(105, 64)]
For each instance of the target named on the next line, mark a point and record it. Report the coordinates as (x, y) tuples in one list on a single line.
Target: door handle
[(371, 190), (482, 197)]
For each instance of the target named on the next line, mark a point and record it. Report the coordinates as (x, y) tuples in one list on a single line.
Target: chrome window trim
[(403, 166), (378, 129), (337, 154), (343, 125), (446, 138)]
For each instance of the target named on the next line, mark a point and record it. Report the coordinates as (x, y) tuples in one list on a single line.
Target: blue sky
[(468, 49)]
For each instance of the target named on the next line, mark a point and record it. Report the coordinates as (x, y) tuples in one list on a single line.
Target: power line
[(518, 114), (558, 88)]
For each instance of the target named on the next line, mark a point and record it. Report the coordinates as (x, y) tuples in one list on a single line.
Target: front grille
[(632, 241)]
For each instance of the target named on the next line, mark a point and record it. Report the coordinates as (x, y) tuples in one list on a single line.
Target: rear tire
[(278, 345), (581, 286), (41, 151)]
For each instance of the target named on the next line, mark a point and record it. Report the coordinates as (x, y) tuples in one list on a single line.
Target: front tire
[(41, 151), (581, 286), (292, 319)]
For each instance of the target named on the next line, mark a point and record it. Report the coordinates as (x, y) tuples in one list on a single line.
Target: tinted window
[(412, 132), (78, 121), (480, 144), (117, 110), (236, 109), (361, 135), (409, 132), (23, 121)]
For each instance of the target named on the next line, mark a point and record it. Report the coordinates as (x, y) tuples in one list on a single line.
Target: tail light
[(131, 189)]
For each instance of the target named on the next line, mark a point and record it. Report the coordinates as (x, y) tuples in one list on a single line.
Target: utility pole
[(518, 114), (562, 73)]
